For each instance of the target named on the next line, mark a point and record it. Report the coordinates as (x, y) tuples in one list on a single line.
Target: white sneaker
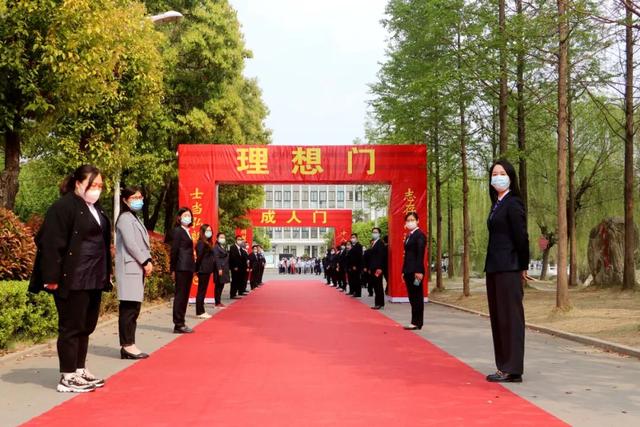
[(204, 316), (74, 384), (89, 377)]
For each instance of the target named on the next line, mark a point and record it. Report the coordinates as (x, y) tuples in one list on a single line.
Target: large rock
[(606, 252)]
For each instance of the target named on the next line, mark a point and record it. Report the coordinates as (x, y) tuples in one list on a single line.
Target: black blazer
[(205, 262), (67, 224), (237, 258), (354, 257), (377, 257), (508, 248), (221, 257), (182, 252), (414, 249), (254, 261)]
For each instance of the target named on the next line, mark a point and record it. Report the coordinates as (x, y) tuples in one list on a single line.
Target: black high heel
[(124, 354)]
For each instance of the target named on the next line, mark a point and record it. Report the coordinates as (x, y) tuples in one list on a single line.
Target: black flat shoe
[(501, 377), (239, 297), (412, 327), (377, 307), (124, 354), (182, 330)]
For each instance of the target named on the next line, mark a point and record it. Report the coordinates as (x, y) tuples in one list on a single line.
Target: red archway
[(404, 167)]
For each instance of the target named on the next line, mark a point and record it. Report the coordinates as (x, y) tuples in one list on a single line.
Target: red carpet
[(298, 354)]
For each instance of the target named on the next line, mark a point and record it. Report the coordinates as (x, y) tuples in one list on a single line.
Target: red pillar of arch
[(403, 167)]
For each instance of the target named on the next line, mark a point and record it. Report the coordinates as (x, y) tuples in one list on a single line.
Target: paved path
[(581, 385)]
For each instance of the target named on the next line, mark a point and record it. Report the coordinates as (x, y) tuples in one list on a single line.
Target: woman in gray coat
[(133, 264)]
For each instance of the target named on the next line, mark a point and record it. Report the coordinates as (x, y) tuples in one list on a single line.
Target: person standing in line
[(182, 266), (205, 266), (254, 266), (376, 266), (262, 263), (506, 268), (221, 270), (73, 262), (325, 266), (366, 276), (413, 269), (133, 264), (236, 263), (354, 267), (334, 266), (246, 271), (385, 270), (342, 267)]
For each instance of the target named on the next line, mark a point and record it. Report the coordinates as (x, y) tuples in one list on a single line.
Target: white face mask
[(500, 182), (91, 195), (411, 225)]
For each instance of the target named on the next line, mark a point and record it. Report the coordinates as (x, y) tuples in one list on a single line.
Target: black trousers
[(203, 284), (376, 284), (242, 287), (128, 321), (219, 287), (77, 319), (416, 299), (504, 294), (181, 297), (236, 281), (355, 286), (255, 278)]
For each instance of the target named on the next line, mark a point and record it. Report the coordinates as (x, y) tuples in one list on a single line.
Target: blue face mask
[(185, 220), (136, 205), (208, 234), (375, 236), (500, 182)]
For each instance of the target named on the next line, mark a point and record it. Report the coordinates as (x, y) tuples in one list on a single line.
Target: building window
[(314, 196), (332, 196), (269, 196), (314, 233), (350, 196), (358, 196), (278, 196), (305, 233), (305, 195), (296, 196), (296, 233), (287, 196), (340, 196)]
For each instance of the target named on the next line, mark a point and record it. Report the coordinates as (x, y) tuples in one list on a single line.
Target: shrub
[(17, 248), (25, 315)]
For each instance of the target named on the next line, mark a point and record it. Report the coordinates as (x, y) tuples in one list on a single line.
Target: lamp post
[(160, 19)]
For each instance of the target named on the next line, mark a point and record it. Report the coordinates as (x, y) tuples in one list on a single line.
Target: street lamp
[(162, 18), (170, 16)]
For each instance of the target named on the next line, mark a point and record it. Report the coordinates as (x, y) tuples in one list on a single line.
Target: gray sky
[(313, 61)]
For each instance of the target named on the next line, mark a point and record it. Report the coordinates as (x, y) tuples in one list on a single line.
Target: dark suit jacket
[(205, 263), (254, 261), (67, 224), (414, 249), (377, 257), (221, 257), (237, 259), (508, 248), (182, 251), (354, 258)]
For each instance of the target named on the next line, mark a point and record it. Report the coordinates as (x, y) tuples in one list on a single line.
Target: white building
[(300, 241)]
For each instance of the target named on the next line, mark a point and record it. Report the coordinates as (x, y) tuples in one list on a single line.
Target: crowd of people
[(298, 265), (74, 263)]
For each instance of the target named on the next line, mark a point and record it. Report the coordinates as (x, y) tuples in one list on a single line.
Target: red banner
[(404, 167)]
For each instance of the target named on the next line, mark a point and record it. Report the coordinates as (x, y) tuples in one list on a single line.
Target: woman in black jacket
[(205, 264), (73, 263), (506, 268), (182, 266), (413, 269), (221, 272)]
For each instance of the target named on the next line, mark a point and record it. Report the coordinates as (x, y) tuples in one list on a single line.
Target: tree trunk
[(170, 208), (571, 203), (545, 263), (502, 101), (451, 271), (438, 262), (629, 280), (494, 133), (151, 217), (521, 115), (9, 176), (562, 292), (466, 228)]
